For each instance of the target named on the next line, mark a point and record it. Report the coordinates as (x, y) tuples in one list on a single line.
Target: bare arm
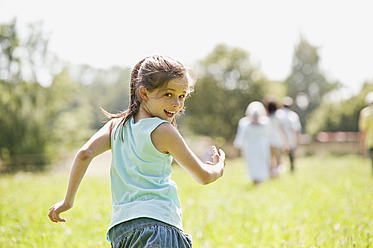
[(168, 140), (97, 144)]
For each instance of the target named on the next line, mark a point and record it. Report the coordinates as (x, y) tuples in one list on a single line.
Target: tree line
[(41, 121)]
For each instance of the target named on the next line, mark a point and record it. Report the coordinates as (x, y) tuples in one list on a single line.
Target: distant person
[(252, 140), (143, 141), (366, 127), (292, 127), (277, 139)]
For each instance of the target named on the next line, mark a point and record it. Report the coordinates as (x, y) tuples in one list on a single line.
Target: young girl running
[(144, 140)]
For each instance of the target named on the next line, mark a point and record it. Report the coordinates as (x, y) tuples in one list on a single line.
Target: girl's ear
[(143, 93)]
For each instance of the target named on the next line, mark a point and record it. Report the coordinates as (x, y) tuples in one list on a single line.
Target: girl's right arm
[(168, 140), (97, 144)]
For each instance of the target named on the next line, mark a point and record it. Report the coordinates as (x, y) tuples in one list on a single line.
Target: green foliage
[(68, 118), (39, 122), (21, 116), (277, 89), (108, 89), (306, 83), (227, 84), (42, 123), (340, 116), (326, 203), (9, 42), (21, 107)]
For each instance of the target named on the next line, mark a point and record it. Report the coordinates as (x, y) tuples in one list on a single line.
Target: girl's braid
[(134, 100)]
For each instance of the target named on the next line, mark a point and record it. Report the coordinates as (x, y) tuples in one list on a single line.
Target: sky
[(122, 32)]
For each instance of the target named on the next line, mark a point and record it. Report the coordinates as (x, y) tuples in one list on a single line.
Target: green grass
[(328, 202)]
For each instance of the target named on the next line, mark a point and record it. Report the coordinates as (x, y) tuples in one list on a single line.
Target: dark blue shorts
[(145, 232)]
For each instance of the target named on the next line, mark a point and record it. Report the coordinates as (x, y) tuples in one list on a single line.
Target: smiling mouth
[(170, 114)]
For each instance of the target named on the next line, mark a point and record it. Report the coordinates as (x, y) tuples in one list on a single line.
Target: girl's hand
[(56, 210), (216, 158), (167, 139)]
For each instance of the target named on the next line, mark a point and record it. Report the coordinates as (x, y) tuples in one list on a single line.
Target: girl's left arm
[(97, 144), (168, 140)]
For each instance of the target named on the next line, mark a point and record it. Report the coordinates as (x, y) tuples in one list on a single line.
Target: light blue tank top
[(141, 184)]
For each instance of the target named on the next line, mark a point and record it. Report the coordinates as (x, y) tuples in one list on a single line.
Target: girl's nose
[(176, 103)]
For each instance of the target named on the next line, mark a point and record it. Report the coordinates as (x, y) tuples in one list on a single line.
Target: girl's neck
[(142, 114)]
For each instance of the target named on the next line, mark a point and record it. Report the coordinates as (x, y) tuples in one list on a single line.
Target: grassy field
[(328, 202)]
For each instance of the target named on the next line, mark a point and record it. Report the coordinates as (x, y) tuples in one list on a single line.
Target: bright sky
[(120, 32)]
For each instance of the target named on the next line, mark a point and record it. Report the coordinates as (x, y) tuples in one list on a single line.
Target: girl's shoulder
[(165, 129), (113, 124), (115, 121), (164, 136)]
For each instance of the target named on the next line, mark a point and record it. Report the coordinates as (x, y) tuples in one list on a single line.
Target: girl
[(143, 141)]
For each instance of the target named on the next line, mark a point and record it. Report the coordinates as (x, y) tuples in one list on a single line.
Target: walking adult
[(252, 140), (292, 128), (277, 139)]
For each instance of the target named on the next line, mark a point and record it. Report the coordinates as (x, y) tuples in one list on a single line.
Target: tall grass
[(327, 202)]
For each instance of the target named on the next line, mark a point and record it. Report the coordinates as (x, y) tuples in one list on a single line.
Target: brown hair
[(153, 73)]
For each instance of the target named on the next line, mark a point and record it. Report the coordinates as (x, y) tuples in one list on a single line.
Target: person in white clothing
[(252, 140), (277, 138), (292, 127)]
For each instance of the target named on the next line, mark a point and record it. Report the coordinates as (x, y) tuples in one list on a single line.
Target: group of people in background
[(266, 133)]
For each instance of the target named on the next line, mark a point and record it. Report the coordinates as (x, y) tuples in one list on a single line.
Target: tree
[(25, 59), (37, 61), (306, 83), (227, 83), (340, 116), (9, 62), (67, 118), (22, 138), (107, 88), (36, 122), (40, 123)]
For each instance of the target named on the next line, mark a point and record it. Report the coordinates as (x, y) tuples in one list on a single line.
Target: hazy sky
[(121, 32)]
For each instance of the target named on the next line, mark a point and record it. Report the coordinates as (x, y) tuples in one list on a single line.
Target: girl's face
[(166, 102)]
